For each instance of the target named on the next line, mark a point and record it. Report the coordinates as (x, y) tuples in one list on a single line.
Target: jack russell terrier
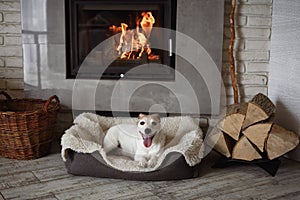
[(142, 142)]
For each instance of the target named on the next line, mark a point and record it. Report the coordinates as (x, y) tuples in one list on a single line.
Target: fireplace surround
[(44, 54), (133, 26)]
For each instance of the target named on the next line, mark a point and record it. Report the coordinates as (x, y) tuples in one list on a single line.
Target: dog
[(143, 142)]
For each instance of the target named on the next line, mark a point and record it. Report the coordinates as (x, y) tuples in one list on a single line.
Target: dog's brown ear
[(141, 115), (156, 117)]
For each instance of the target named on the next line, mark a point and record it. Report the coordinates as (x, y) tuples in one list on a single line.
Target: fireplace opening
[(133, 26)]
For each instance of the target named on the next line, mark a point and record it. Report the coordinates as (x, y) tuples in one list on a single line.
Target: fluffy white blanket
[(183, 135)]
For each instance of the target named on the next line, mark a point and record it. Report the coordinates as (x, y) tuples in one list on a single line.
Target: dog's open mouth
[(147, 139)]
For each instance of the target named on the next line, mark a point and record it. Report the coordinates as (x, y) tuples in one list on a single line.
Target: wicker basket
[(26, 126)]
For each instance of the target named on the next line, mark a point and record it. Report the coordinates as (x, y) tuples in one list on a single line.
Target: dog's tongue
[(147, 141)]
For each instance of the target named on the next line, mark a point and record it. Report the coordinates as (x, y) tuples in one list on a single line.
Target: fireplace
[(198, 24), (132, 28)]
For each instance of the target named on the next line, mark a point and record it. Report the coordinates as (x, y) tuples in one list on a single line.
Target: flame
[(147, 23), (115, 29), (133, 44)]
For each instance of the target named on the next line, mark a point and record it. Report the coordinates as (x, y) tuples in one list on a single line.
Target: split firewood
[(247, 130), (280, 141), (258, 134), (221, 142), (244, 150), (260, 108), (231, 124)]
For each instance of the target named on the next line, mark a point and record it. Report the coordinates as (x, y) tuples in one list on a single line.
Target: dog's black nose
[(147, 130)]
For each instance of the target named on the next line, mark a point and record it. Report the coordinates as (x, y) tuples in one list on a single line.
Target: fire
[(134, 44), (147, 23)]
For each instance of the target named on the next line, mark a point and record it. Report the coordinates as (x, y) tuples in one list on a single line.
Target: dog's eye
[(142, 123), (153, 123)]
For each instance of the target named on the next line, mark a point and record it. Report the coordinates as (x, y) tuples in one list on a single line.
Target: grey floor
[(46, 178)]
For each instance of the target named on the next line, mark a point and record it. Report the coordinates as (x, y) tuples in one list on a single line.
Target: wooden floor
[(46, 178)]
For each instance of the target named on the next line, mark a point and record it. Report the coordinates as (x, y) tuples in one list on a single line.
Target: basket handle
[(47, 103), (8, 97)]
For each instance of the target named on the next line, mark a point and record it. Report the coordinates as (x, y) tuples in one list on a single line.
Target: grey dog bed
[(87, 165), (83, 153)]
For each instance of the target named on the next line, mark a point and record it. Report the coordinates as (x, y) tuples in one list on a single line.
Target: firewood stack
[(247, 132)]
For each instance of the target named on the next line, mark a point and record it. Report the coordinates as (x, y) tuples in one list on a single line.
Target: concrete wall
[(284, 88)]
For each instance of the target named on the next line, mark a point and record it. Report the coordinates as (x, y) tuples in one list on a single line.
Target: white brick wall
[(252, 47), (11, 59)]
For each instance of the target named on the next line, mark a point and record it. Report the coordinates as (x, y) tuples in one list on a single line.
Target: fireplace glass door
[(132, 28)]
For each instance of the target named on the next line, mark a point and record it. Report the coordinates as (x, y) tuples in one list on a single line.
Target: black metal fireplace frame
[(72, 65)]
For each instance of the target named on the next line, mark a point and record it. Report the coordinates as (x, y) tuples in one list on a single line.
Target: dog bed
[(83, 153)]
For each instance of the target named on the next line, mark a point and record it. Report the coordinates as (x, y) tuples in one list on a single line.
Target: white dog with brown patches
[(142, 142)]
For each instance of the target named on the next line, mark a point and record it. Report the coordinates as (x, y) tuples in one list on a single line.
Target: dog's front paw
[(142, 164), (152, 162)]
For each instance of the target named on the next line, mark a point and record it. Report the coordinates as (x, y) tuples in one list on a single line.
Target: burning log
[(133, 43), (248, 133)]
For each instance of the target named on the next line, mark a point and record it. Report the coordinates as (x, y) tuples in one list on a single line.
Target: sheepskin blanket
[(183, 135)]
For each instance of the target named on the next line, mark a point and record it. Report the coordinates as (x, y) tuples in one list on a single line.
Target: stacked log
[(247, 132)]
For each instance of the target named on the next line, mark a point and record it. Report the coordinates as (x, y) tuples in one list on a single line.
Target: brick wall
[(11, 64), (252, 47)]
